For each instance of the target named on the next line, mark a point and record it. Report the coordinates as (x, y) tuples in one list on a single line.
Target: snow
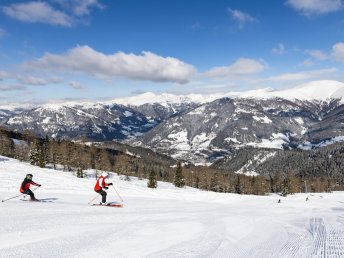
[(19, 142), (197, 111), (132, 154), (46, 120), (202, 141), (258, 159), (263, 119), (276, 141), (299, 120), (314, 90), (179, 142), (309, 146), (162, 222), (127, 113), (234, 140), (165, 99)]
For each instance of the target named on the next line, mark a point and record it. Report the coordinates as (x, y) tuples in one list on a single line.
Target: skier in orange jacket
[(25, 186), (100, 185)]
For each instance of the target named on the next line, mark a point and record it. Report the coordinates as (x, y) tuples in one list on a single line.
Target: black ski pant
[(103, 194), (29, 192)]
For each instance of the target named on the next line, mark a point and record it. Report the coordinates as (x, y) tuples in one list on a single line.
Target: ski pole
[(117, 193), (93, 199), (5, 200), (11, 198)]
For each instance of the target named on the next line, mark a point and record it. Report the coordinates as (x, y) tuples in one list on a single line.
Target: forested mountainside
[(228, 175)]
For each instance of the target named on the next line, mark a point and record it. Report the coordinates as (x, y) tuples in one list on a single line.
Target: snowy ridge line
[(316, 90), (323, 90)]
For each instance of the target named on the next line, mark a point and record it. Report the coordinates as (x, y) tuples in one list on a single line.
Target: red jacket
[(100, 184), (25, 185)]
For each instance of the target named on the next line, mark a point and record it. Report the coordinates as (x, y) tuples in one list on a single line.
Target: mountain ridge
[(201, 131)]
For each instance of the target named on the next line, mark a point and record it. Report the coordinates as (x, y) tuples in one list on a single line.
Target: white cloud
[(36, 81), (317, 54), (279, 50), (76, 85), (305, 75), (79, 7), (241, 17), (307, 62), (315, 7), (242, 66), (338, 52), (147, 66), (37, 12), (11, 87)]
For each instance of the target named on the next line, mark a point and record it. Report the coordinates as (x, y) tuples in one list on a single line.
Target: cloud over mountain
[(147, 66), (242, 66)]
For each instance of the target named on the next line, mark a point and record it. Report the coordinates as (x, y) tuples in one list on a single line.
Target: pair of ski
[(110, 204), (37, 200)]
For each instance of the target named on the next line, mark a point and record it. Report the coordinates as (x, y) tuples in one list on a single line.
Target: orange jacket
[(25, 185), (100, 184)]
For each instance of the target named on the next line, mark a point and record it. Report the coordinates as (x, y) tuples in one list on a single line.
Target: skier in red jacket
[(25, 186), (100, 185)]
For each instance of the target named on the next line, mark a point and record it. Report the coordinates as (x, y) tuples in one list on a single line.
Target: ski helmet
[(29, 176), (105, 174)]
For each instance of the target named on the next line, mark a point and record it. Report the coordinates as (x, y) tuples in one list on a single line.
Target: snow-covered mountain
[(197, 127), (301, 117), (97, 122), (109, 120)]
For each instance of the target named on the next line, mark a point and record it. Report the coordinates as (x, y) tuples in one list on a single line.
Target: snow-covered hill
[(162, 222)]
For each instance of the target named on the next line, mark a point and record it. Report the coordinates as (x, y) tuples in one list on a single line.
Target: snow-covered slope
[(162, 222)]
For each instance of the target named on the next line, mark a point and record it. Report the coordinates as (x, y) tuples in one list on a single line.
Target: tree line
[(145, 164)]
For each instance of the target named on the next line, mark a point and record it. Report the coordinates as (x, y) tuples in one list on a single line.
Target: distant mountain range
[(198, 128)]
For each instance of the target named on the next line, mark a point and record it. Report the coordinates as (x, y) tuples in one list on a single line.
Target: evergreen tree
[(41, 158), (36, 155), (214, 183), (152, 183), (285, 190), (179, 180), (80, 173)]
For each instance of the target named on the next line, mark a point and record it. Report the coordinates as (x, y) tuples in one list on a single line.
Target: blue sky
[(97, 49)]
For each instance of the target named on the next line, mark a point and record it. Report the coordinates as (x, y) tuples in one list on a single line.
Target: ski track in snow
[(162, 222)]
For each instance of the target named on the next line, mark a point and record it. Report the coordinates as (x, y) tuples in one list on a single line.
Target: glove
[(110, 184), (106, 188), (39, 185)]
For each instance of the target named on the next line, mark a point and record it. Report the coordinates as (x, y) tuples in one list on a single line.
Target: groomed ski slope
[(163, 222)]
